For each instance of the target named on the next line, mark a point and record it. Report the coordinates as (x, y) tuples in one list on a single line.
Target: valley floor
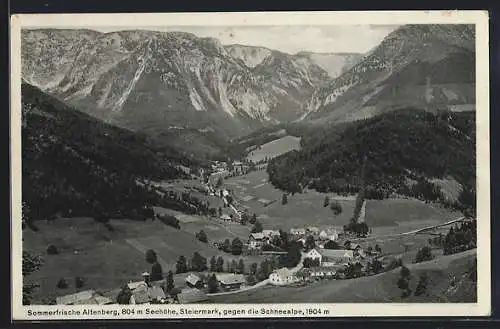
[(107, 259)]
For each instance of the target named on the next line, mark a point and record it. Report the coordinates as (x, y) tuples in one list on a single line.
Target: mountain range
[(189, 91), (422, 66), (155, 82)]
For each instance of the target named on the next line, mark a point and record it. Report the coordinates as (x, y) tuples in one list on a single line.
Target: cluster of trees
[(197, 263), (156, 269), (359, 229), (374, 266), (424, 254), (404, 280), (423, 281), (410, 143), (353, 270), (30, 264), (63, 283), (217, 265), (293, 255), (257, 227), (284, 199), (169, 220), (309, 262), (460, 238), (234, 247), (202, 236)]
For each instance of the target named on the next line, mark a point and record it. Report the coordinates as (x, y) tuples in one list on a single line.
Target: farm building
[(330, 257), (229, 281), (329, 235), (357, 249), (145, 291), (283, 276), (146, 294), (88, 297), (312, 230), (257, 240), (298, 232), (225, 217), (324, 272), (192, 280), (271, 233), (191, 295)]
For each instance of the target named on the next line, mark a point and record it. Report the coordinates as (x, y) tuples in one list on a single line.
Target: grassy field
[(275, 148), (215, 229), (254, 192), (379, 288), (107, 259)]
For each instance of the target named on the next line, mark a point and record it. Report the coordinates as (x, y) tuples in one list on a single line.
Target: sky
[(289, 39)]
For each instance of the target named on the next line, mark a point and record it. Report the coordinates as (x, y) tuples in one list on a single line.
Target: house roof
[(145, 294), (313, 251), (270, 232), (229, 278), (297, 230), (283, 272), (87, 297), (225, 216), (135, 285), (257, 236), (191, 295), (193, 279), (336, 253)]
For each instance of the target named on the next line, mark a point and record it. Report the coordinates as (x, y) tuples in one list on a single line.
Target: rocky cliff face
[(154, 81), (333, 63), (426, 66)]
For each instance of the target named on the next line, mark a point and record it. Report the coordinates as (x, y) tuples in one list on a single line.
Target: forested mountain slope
[(74, 164), (399, 152)]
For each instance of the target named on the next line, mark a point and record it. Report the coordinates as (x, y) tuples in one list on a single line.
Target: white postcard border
[(480, 18)]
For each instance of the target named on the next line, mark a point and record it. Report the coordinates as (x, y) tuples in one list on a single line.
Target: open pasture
[(108, 258), (254, 193), (274, 148)]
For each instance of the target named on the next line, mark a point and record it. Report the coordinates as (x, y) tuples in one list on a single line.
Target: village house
[(192, 280), (283, 276), (240, 167), (357, 250), (329, 235), (147, 295), (330, 257), (146, 292), (271, 233), (323, 272), (298, 232), (229, 281), (257, 240), (87, 297), (312, 230)]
